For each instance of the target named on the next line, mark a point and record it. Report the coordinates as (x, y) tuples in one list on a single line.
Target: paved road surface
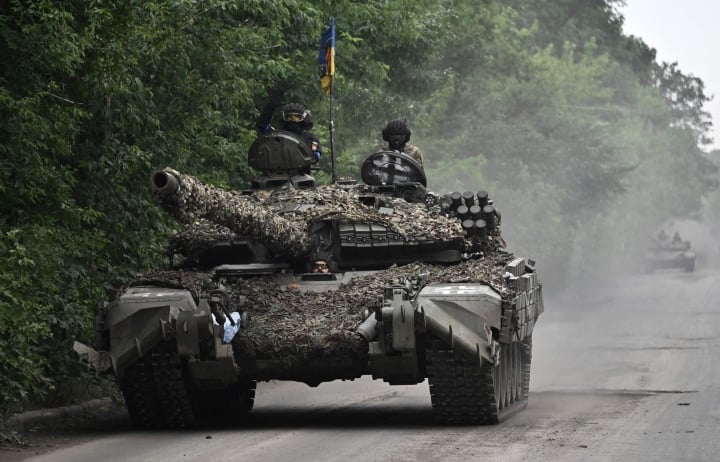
[(628, 373)]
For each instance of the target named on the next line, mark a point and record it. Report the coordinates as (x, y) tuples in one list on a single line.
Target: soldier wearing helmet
[(296, 118), (397, 135)]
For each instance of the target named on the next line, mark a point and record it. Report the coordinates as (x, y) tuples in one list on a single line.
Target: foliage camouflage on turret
[(274, 219)]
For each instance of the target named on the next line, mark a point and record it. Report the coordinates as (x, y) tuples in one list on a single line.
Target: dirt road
[(621, 373)]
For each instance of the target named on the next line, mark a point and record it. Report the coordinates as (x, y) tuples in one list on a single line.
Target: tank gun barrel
[(187, 199), (164, 183)]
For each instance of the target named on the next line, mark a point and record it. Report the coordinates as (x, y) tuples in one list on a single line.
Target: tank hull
[(668, 258), (423, 328)]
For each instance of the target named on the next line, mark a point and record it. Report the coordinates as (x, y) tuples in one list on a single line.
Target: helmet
[(296, 118), (396, 127), (295, 112)]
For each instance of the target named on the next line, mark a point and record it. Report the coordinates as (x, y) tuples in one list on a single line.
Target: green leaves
[(546, 104)]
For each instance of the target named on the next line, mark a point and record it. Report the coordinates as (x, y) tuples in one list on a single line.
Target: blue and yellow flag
[(326, 58)]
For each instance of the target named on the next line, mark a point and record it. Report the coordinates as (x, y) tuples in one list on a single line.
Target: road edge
[(57, 416)]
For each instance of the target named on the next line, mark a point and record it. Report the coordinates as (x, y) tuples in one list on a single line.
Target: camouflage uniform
[(415, 153)]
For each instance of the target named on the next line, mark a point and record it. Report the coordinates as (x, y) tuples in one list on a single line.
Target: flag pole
[(332, 131), (326, 63)]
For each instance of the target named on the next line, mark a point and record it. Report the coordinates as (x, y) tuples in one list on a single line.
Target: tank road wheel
[(463, 392)]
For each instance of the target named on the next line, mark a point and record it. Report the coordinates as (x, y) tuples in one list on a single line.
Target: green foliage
[(572, 126), (685, 96)]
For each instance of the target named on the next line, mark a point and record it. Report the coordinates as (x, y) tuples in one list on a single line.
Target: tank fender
[(142, 318), (97, 360), (462, 315)]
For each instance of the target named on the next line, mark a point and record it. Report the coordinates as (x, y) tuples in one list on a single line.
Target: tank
[(290, 280), (666, 253)]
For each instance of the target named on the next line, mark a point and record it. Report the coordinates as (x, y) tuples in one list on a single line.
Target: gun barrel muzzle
[(164, 182)]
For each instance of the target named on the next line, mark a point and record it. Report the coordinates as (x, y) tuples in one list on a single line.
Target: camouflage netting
[(279, 221), (295, 325), (292, 325), (243, 214), (198, 237)]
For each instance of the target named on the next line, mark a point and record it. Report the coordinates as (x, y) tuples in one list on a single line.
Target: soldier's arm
[(314, 143), (262, 124), (416, 154)]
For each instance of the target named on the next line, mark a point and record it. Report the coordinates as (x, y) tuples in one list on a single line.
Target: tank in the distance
[(289, 280), (665, 252)]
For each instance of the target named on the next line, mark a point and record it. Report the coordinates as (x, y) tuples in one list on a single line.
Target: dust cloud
[(602, 330)]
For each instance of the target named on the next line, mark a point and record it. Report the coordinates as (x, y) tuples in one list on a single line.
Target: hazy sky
[(682, 31)]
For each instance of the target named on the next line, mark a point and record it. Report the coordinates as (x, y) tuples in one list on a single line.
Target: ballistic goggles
[(320, 265), (295, 116)]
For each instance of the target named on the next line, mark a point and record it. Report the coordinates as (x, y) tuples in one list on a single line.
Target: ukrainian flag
[(326, 58)]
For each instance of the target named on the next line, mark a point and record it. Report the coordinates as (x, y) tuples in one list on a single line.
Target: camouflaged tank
[(669, 253), (294, 281)]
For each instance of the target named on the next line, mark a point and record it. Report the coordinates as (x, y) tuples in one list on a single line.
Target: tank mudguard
[(463, 315), (142, 318)]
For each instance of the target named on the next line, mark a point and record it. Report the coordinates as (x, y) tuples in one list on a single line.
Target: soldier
[(296, 118), (676, 238), (397, 134), (320, 266)]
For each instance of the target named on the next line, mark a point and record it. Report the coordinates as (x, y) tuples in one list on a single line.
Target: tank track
[(158, 395), (138, 389), (155, 393), (463, 392), (173, 396)]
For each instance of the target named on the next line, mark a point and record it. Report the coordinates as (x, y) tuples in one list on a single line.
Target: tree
[(685, 96)]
